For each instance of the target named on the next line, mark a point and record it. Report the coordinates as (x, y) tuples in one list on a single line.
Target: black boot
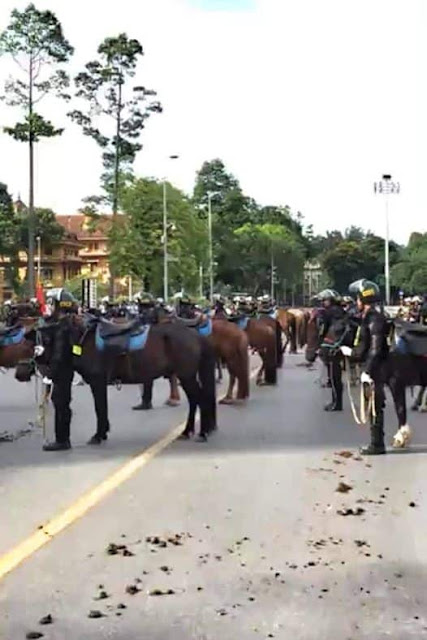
[(57, 446), (143, 406), (333, 406), (376, 446)]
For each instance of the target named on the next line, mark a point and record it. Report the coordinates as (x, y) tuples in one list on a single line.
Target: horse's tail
[(242, 367), (279, 347), (207, 382), (270, 361), (302, 331)]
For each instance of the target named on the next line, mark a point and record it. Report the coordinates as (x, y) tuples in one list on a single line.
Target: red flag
[(40, 298)]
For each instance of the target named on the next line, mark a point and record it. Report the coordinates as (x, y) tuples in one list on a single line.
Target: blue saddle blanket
[(130, 341), (12, 337), (242, 323), (206, 328)]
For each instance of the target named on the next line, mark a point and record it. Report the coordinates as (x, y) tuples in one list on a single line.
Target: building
[(92, 236), (312, 280)]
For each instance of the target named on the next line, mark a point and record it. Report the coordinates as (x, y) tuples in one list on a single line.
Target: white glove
[(365, 377), (47, 380), (38, 350), (346, 351)]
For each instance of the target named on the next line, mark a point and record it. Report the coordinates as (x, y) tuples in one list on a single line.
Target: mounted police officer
[(185, 307), (371, 348), (147, 310), (61, 304)]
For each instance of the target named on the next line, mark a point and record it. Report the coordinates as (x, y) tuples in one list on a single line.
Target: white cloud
[(307, 102)]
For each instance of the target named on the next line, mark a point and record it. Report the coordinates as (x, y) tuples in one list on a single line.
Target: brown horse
[(14, 346), (231, 347), (262, 339), (287, 321)]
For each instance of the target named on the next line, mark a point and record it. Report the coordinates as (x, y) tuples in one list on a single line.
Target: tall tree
[(7, 222), (37, 44), (136, 245), (114, 114)]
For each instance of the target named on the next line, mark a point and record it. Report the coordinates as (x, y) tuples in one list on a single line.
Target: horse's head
[(313, 334), (42, 340), (341, 332)]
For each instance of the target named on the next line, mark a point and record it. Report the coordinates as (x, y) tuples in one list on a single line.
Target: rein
[(365, 413)]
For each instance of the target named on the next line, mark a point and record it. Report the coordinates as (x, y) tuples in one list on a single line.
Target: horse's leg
[(219, 369), (404, 433), (146, 391), (228, 398), (418, 399), (98, 387), (260, 374), (192, 391), (423, 405), (174, 399)]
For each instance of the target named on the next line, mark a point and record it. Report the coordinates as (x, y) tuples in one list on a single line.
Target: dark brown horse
[(170, 348)]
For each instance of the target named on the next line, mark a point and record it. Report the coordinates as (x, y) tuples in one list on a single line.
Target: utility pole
[(387, 187), (210, 247)]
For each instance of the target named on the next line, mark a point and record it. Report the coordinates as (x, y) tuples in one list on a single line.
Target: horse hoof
[(403, 437), (97, 439), (226, 400), (171, 402), (201, 438), (185, 436), (240, 402)]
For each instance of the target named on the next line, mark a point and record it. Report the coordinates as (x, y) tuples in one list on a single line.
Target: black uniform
[(62, 373), (328, 317), (372, 349), (423, 314)]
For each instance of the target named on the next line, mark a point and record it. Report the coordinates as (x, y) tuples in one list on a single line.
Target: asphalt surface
[(237, 538)]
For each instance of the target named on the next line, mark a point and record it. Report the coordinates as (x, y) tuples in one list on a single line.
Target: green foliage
[(352, 255), (46, 227), (410, 273), (114, 111), (137, 239), (35, 41), (7, 222)]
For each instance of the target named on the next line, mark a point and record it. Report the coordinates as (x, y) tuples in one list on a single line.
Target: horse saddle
[(269, 313), (240, 320), (412, 339), (118, 338), (202, 323), (11, 335)]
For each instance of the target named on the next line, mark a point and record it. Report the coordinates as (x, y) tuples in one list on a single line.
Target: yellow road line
[(46, 532)]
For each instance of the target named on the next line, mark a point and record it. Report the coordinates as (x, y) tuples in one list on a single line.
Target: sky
[(307, 102)]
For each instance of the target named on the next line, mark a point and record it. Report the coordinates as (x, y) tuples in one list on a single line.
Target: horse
[(262, 339), (272, 322), (231, 348), (162, 349), (290, 327), (405, 366)]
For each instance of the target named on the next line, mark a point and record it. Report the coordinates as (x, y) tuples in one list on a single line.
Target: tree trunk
[(31, 218), (116, 183)]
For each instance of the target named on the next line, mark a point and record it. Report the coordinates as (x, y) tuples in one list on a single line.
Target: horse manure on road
[(358, 511), (132, 589), (343, 487), (33, 635), (114, 549), (46, 619), (94, 613)]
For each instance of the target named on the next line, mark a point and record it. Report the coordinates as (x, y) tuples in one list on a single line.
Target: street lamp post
[(386, 187), (210, 195), (165, 238)]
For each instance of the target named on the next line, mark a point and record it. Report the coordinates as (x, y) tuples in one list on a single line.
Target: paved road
[(243, 531)]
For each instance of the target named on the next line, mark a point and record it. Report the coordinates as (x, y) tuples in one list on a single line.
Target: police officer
[(371, 348), (61, 303), (330, 302), (185, 307), (147, 308)]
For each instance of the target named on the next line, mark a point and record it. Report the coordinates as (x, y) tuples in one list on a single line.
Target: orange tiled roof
[(79, 223)]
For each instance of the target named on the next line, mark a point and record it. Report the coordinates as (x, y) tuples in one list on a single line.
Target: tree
[(46, 228), (259, 247), (137, 240), (7, 222), (410, 271), (114, 115), (36, 43)]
